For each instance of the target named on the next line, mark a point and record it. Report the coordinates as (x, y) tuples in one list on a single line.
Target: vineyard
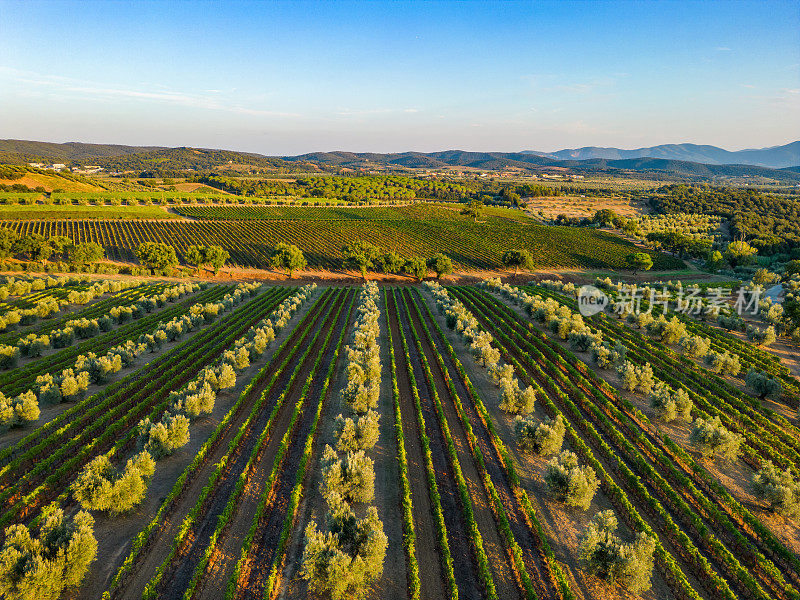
[(487, 441), (411, 231)]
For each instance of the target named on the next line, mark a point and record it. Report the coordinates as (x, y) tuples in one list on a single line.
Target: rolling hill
[(787, 155)]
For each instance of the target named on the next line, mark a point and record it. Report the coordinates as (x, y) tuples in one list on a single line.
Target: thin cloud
[(722, 49), (62, 85)]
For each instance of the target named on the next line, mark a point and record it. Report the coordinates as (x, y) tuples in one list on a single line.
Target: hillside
[(20, 151), (787, 155)]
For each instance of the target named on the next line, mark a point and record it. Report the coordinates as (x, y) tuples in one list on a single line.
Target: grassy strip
[(409, 537)]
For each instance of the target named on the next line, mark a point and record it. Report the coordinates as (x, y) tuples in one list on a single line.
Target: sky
[(286, 78)]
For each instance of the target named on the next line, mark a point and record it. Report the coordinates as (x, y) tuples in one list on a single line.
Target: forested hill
[(169, 161)]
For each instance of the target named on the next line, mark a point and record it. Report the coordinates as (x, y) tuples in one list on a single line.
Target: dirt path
[(265, 541), (114, 534), (499, 560), (181, 569), (461, 547), (432, 582)]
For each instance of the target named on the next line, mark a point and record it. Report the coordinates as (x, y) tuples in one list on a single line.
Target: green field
[(17, 212), (418, 230)]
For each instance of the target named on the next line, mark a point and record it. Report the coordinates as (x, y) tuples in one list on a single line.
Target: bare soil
[(114, 534), (563, 525)]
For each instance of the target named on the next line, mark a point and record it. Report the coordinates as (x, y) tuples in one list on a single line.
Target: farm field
[(459, 508), (45, 212), (420, 230)]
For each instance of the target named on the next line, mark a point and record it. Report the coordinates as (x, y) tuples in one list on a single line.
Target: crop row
[(257, 388), (222, 481), (433, 488), (624, 433), (475, 245), (114, 413), (711, 394)]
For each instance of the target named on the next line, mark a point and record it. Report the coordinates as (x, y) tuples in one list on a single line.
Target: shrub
[(670, 404), (40, 568), (710, 437), (9, 357), (354, 435), (32, 345), (608, 558), (62, 338), (18, 411), (73, 385), (667, 331), (722, 363), (570, 483), (761, 337), (694, 346), (606, 354), (163, 438), (345, 561), (763, 385), (351, 477), (636, 377), (99, 486), (542, 438), (778, 489), (515, 400)]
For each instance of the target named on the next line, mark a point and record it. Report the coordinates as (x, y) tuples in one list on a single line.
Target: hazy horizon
[(291, 78)]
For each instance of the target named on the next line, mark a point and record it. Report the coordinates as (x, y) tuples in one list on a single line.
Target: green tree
[(289, 258), (216, 256), (714, 260), (518, 259), (195, 256), (605, 217), (390, 262), (608, 558), (416, 267), (360, 255), (639, 261), (740, 253), (792, 268), (7, 240), (440, 264), (156, 255), (86, 253), (473, 209), (60, 244), (779, 489)]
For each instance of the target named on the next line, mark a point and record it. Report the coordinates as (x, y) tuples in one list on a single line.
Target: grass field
[(418, 230), (16, 212)]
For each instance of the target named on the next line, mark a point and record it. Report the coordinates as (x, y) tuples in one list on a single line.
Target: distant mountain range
[(775, 157), (684, 160)]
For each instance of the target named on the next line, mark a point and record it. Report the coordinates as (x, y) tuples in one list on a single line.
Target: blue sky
[(286, 78)]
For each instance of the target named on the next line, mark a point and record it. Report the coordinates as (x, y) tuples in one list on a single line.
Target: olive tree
[(357, 434), (779, 489), (542, 438), (41, 568), (100, 486), (608, 558), (346, 560), (570, 483), (671, 404), (710, 437), (352, 477), (763, 385)]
